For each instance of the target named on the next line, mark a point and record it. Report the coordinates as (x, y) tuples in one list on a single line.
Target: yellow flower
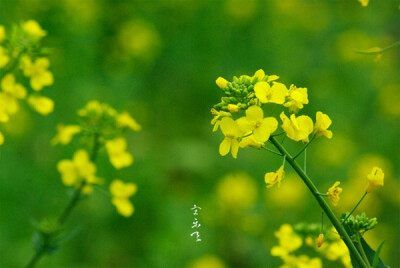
[(4, 58), (260, 74), (297, 98), (334, 192), (275, 94), (320, 240), (121, 192), (272, 78), (375, 178), (2, 33), (272, 178), (237, 191), (72, 172), (222, 82), (207, 261), (40, 104), (11, 92), (233, 108), (125, 120), (38, 72), (254, 121), (1, 138), (65, 134), (33, 28), (217, 118), (232, 134), (288, 241), (117, 153), (322, 123), (364, 3), (297, 128), (250, 141)]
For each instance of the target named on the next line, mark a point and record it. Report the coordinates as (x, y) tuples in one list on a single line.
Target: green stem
[(378, 51), (305, 147), (361, 249), (72, 203), (325, 207), (272, 151), (359, 202)]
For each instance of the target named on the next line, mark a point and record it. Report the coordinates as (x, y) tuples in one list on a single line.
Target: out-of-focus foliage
[(158, 60)]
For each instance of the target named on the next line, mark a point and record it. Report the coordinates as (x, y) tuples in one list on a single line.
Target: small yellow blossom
[(375, 178), (1, 138), (2, 33), (322, 123), (73, 171), (217, 118), (222, 82), (40, 104), (65, 134), (232, 134), (296, 99), (255, 122), (125, 120), (297, 128), (33, 28), (121, 192), (38, 73), (334, 192), (272, 78), (12, 91), (260, 74), (233, 108), (288, 241), (4, 58), (272, 178), (117, 153), (364, 3), (320, 240), (267, 94)]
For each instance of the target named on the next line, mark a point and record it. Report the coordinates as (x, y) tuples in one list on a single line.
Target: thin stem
[(272, 151), (322, 222), (305, 160), (366, 52), (359, 202), (305, 147), (325, 207), (35, 259), (361, 249)]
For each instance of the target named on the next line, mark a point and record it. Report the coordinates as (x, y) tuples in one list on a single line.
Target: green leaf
[(376, 257)]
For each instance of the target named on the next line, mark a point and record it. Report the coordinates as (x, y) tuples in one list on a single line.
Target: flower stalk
[(328, 211)]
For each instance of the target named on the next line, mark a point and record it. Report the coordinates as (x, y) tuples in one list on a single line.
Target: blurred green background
[(159, 61)]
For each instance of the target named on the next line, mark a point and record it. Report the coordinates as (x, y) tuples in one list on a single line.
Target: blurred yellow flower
[(37, 71), (221, 82), (124, 119), (4, 58), (364, 3), (387, 96), (337, 250), (297, 128), (267, 94), (232, 134), (217, 117), (33, 28), (291, 194), (255, 122), (121, 192), (117, 153), (79, 168), (320, 240), (12, 91), (42, 105), (2, 33), (334, 192), (297, 97), (288, 241), (322, 123), (272, 178), (237, 191), (375, 178), (207, 261), (65, 134), (1, 138)]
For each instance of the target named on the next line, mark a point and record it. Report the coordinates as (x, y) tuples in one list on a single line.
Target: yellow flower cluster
[(101, 125), (23, 51), (292, 239), (248, 95)]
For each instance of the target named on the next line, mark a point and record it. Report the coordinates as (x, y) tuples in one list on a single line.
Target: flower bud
[(320, 240)]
